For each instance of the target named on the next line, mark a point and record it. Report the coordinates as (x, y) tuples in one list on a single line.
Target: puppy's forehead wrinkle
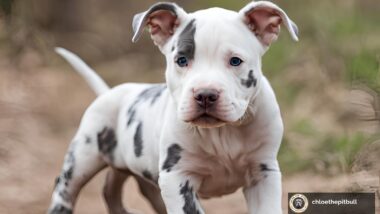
[(186, 42), (215, 13), (226, 35)]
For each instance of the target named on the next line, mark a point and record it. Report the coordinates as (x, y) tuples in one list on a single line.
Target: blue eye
[(182, 61), (235, 61)]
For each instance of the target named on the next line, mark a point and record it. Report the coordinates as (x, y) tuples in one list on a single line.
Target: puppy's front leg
[(265, 196), (178, 192), (178, 189)]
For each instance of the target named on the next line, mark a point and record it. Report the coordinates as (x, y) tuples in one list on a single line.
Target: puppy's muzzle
[(206, 102), (206, 98)]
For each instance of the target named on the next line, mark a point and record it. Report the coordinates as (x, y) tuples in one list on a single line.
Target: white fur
[(96, 83)]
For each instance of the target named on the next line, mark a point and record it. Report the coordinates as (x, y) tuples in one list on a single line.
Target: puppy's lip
[(202, 116), (207, 117), (207, 121)]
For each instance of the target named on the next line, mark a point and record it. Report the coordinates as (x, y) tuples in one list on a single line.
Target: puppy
[(213, 127)]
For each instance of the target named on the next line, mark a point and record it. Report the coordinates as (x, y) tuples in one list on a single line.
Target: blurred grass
[(6, 6), (291, 159), (363, 68), (332, 155), (338, 153), (342, 37)]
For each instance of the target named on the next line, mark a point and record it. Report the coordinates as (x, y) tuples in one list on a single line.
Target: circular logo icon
[(298, 203)]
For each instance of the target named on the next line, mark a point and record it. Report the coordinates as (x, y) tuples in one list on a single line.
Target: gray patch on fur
[(68, 171), (88, 139), (63, 180), (151, 94), (60, 209), (147, 175), (138, 141), (131, 116), (251, 80), (186, 42), (107, 141), (172, 158), (151, 177), (57, 181), (189, 197), (264, 167), (64, 195)]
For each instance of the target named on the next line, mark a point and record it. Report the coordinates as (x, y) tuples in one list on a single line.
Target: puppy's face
[(213, 68), (214, 58)]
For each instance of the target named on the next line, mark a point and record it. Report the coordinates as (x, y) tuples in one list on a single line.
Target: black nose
[(206, 97)]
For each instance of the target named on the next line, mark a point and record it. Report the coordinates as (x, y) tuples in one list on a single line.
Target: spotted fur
[(188, 196), (67, 173), (173, 156), (186, 42), (107, 141), (250, 81), (138, 141), (60, 209), (151, 94)]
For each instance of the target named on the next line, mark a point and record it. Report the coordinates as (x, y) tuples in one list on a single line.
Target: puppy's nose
[(206, 97)]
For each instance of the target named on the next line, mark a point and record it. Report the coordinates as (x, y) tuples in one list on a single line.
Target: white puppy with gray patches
[(214, 127)]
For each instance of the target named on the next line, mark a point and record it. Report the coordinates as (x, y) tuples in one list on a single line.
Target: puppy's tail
[(92, 78)]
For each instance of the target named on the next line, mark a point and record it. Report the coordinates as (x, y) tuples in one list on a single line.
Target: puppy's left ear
[(263, 18), (162, 20)]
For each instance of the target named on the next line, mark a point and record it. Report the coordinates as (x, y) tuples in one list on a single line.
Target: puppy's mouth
[(206, 120)]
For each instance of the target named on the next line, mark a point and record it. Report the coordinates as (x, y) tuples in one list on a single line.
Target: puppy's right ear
[(162, 20)]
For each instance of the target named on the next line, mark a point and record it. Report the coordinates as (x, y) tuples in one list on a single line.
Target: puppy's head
[(213, 56)]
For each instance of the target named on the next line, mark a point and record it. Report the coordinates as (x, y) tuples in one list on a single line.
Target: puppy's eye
[(182, 61), (235, 61)]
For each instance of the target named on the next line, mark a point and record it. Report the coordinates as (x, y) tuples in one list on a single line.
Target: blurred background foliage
[(327, 84)]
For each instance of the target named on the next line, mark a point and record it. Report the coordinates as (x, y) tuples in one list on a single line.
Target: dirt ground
[(40, 109)]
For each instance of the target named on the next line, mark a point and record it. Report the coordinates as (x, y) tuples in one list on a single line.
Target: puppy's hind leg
[(82, 162), (153, 194), (112, 190), (113, 187)]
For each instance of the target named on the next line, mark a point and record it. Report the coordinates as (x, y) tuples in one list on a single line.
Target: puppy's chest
[(222, 169)]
